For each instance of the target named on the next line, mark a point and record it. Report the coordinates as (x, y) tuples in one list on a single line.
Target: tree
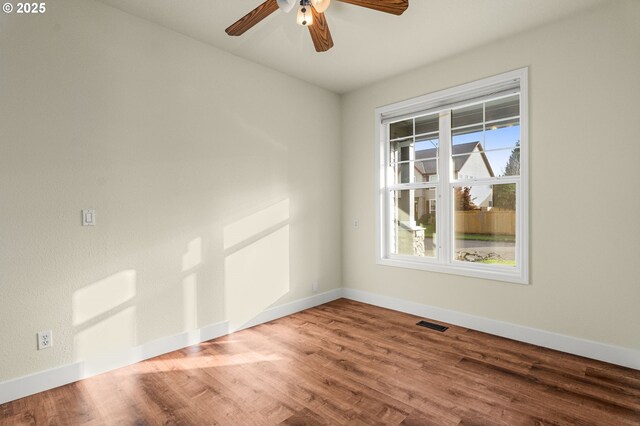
[(464, 202), (513, 165), (504, 195)]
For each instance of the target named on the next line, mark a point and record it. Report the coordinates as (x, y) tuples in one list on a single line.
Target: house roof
[(461, 152)]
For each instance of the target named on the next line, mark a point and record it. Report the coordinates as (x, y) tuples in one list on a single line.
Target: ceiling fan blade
[(252, 18), (320, 33), (396, 7)]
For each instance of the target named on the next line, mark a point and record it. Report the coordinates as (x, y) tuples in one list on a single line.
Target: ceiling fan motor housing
[(286, 5)]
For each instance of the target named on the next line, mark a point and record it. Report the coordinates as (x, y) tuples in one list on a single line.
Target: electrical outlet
[(314, 286), (356, 223), (45, 339)]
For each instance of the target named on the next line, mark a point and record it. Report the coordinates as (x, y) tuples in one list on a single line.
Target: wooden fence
[(494, 222)]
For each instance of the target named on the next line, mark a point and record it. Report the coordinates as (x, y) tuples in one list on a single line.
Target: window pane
[(505, 134), (505, 162), (485, 224), (468, 115), (502, 108), (426, 171), (467, 135), (405, 153), (414, 222), (427, 124), (401, 129), (402, 172), (427, 144), (397, 153), (426, 155), (475, 165)]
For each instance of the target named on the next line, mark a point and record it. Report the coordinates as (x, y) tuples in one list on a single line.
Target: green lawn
[(485, 237), (499, 262)]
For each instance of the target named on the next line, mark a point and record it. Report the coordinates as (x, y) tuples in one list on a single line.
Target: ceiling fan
[(311, 15)]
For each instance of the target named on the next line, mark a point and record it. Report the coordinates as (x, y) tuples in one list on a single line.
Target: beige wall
[(584, 132), (199, 164), (200, 168)]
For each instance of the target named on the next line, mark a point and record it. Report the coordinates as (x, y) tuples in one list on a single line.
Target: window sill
[(518, 277)]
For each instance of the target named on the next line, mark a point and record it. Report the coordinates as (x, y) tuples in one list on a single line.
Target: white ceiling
[(369, 45)]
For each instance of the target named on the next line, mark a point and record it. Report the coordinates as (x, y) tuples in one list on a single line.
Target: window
[(453, 180), (432, 206)]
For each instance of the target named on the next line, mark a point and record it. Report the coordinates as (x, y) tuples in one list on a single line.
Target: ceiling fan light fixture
[(320, 5), (305, 17)]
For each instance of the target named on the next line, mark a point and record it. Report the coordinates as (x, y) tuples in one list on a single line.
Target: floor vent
[(432, 326)]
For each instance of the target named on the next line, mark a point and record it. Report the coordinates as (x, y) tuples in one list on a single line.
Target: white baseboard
[(293, 307), (49, 379), (625, 357), (44, 380), (59, 376)]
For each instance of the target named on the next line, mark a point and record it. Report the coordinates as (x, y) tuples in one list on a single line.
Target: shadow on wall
[(256, 252)]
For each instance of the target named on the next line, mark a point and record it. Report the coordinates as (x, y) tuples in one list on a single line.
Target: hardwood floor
[(347, 363)]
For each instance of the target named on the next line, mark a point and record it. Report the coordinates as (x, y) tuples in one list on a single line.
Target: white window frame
[(442, 101)]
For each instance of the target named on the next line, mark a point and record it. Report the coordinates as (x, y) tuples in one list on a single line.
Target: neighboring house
[(469, 162)]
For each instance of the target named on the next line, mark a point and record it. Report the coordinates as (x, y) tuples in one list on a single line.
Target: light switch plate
[(88, 217)]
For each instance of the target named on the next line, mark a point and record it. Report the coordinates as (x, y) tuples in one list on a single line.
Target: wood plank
[(395, 7), (252, 18), (320, 33)]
